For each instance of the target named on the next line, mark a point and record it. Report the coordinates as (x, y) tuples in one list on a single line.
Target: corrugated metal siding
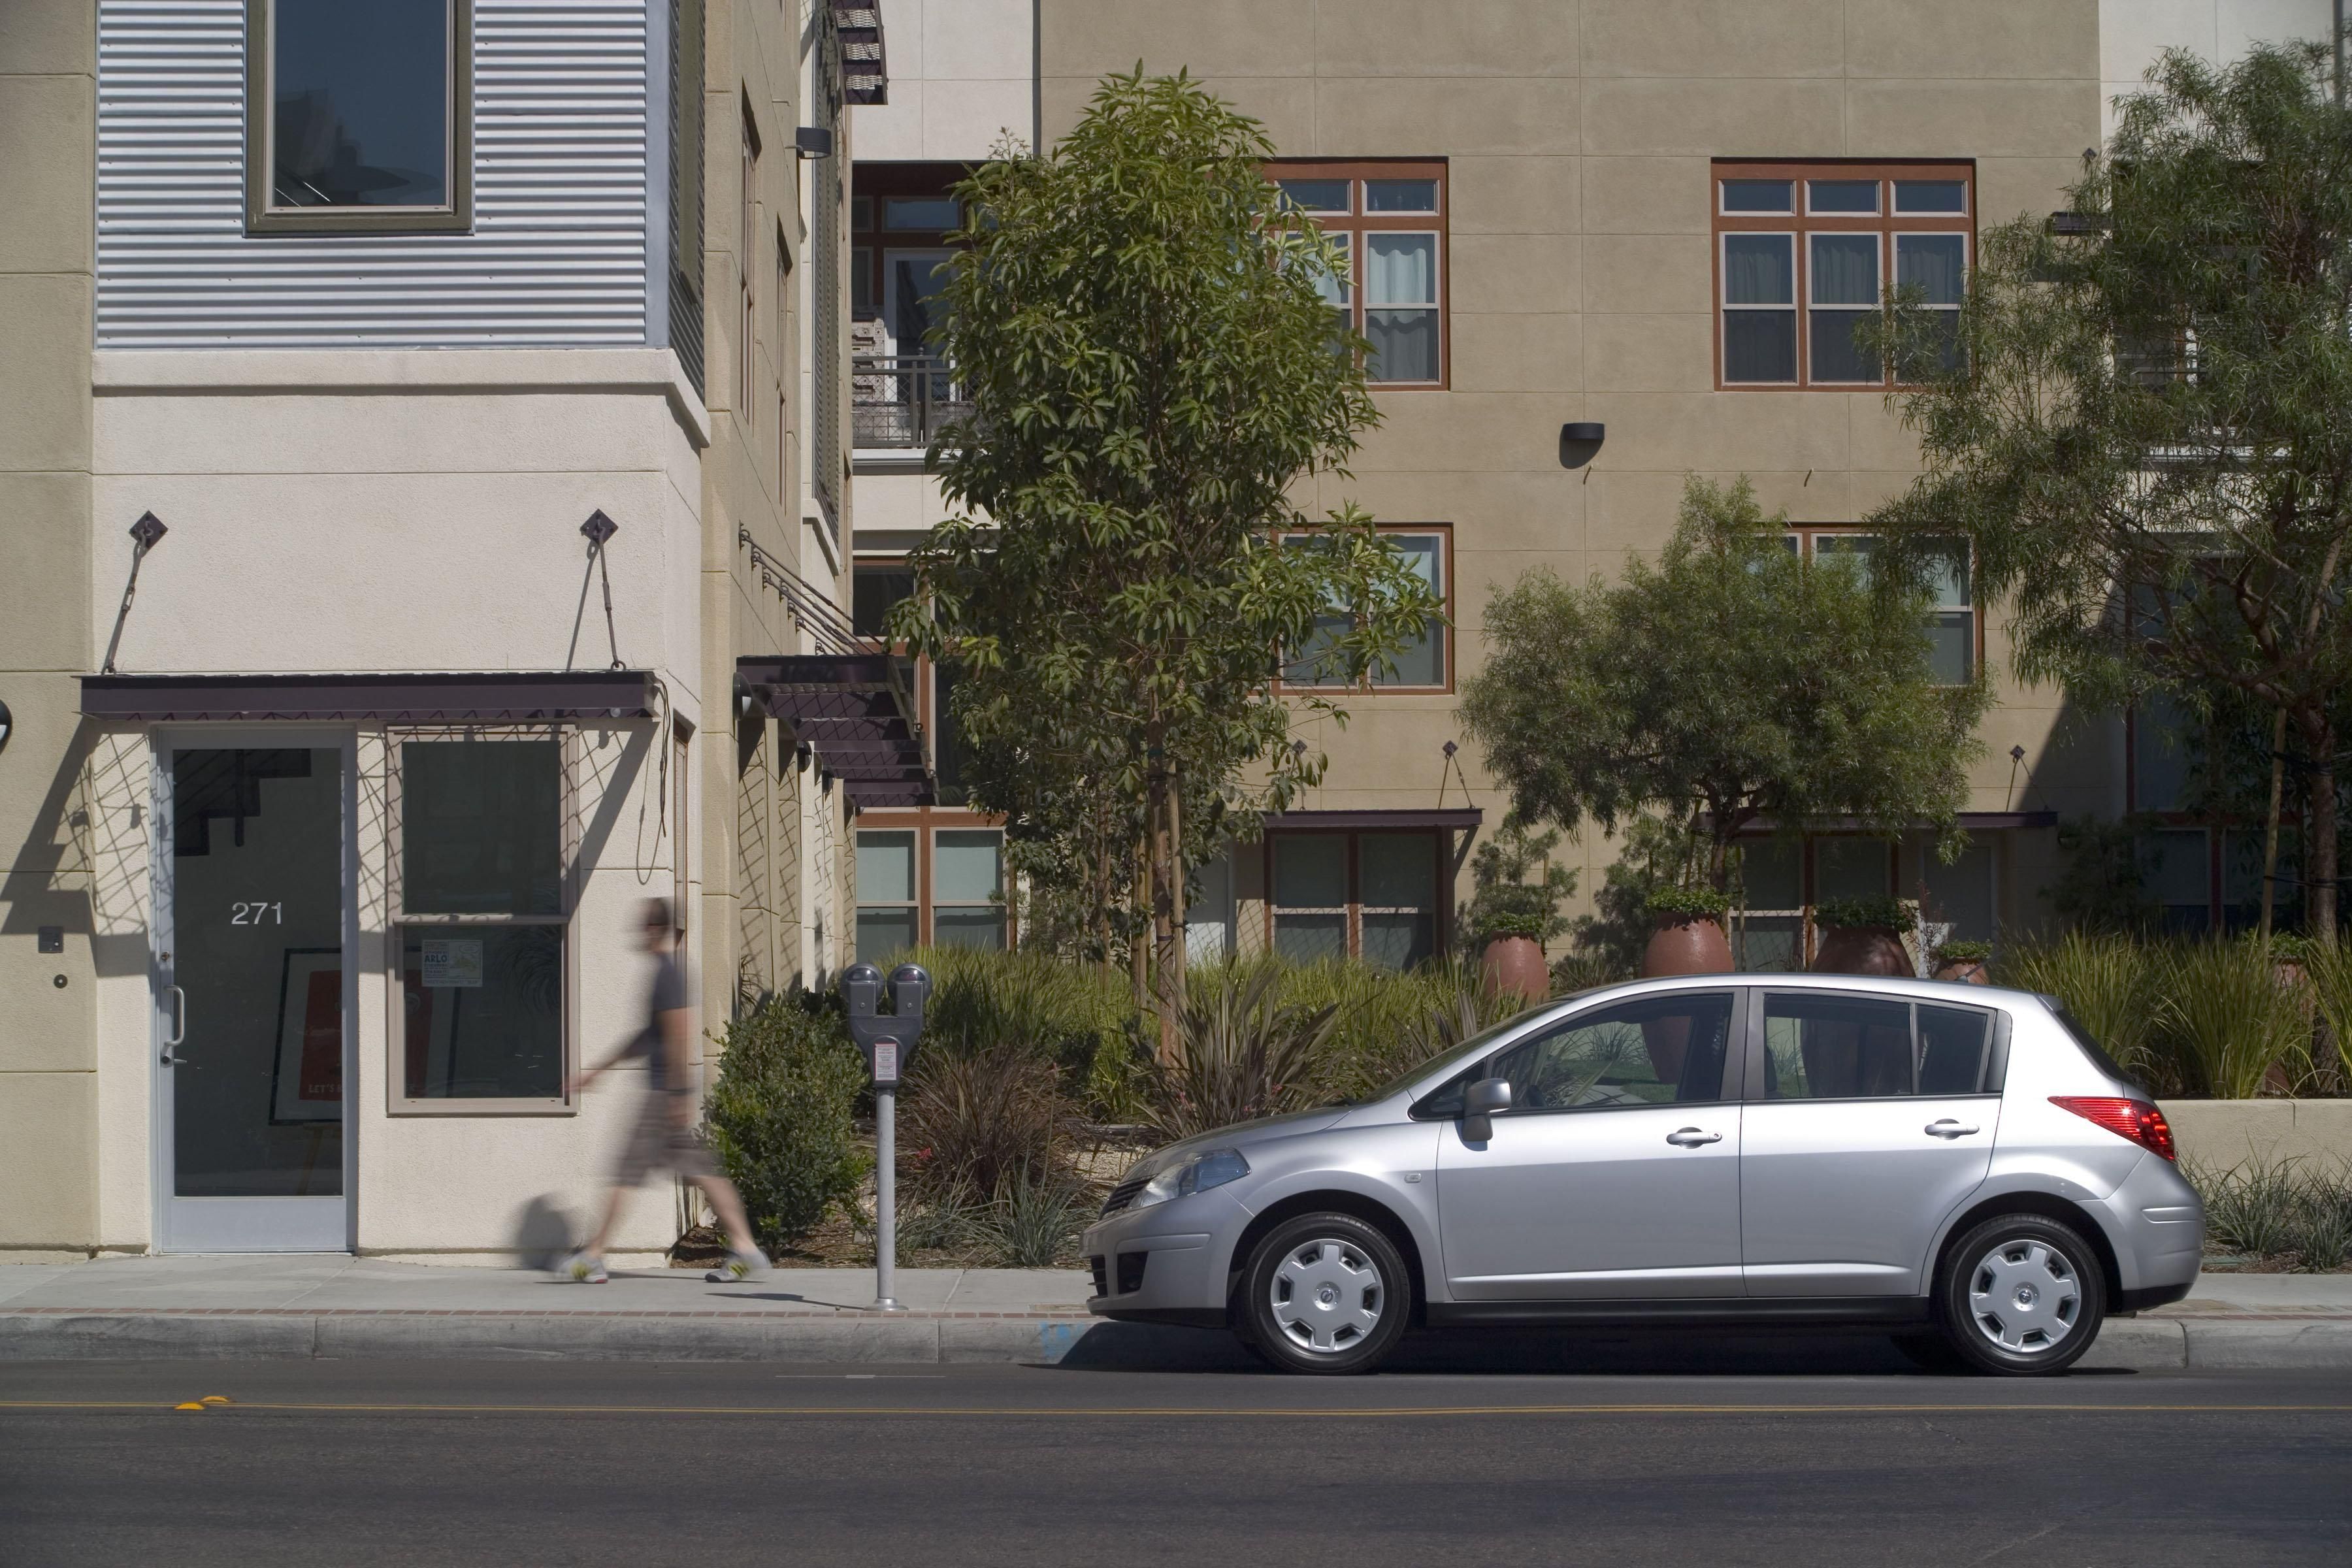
[(558, 252)]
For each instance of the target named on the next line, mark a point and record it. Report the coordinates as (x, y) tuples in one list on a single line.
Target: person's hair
[(656, 913)]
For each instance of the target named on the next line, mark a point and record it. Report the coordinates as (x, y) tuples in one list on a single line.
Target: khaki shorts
[(658, 1143)]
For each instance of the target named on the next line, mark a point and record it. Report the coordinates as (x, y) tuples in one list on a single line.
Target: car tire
[(2022, 1296), (1325, 1293)]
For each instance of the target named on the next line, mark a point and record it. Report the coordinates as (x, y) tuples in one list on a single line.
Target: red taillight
[(2137, 1119)]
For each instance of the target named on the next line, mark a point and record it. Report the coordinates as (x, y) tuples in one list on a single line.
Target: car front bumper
[(1172, 1259)]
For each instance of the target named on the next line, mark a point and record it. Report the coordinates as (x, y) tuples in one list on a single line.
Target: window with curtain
[(1805, 253), (1388, 221)]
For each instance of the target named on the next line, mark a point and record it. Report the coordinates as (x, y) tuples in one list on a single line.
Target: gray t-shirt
[(666, 995)]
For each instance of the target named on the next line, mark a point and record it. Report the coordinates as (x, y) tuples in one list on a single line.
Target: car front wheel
[(1325, 1293), (2022, 1296)]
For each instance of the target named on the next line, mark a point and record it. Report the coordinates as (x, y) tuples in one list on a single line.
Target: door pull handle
[(179, 1015), (1947, 1128), (1691, 1138)]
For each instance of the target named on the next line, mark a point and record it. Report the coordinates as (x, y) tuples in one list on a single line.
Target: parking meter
[(888, 1041)]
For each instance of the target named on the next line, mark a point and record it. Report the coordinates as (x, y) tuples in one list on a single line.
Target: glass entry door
[(254, 1000)]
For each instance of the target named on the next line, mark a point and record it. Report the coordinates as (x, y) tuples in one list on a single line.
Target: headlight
[(1197, 1173)]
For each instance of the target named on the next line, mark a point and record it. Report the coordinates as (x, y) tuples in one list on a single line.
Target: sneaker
[(739, 1265), (583, 1270)]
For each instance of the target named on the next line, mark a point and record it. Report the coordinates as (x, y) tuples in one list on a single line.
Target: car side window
[(1838, 1046), (1658, 1050), (1952, 1046)]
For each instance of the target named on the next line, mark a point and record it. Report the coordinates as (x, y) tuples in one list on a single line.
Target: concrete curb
[(524, 1336), (2145, 1345)]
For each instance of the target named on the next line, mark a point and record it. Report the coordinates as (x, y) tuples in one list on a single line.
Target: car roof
[(1950, 990)]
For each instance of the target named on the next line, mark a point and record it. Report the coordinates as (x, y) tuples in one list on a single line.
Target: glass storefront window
[(481, 930)]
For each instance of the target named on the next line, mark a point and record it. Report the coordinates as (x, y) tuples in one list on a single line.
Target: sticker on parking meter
[(886, 1061)]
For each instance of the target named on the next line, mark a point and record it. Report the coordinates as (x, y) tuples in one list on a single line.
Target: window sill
[(314, 222), (481, 1108)]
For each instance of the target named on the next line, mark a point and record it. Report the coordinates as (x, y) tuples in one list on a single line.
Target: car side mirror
[(1480, 1100)]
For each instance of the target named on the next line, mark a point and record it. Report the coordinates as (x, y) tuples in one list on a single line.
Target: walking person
[(664, 1134)]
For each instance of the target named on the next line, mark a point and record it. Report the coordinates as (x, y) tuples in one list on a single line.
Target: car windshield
[(1455, 1055)]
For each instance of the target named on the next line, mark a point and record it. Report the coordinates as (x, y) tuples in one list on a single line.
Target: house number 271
[(256, 914)]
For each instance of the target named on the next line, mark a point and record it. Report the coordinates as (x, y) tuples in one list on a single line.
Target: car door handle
[(1947, 1128), (1691, 1138)]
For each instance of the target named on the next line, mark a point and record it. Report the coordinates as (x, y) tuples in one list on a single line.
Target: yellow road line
[(1132, 1412)]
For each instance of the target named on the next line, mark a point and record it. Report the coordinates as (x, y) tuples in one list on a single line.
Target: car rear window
[(2091, 1046)]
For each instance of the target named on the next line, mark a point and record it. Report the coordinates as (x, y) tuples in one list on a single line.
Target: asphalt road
[(1714, 1453)]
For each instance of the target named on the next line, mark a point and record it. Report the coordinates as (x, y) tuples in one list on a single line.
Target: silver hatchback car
[(1959, 1167)]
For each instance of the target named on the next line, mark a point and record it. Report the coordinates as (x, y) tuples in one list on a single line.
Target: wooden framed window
[(747, 237), (1957, 634), (1340, 893), (1389, 218), (1805, 252), (1428, 664)]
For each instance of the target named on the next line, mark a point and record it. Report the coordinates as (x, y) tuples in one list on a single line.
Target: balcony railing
[(902, 400)]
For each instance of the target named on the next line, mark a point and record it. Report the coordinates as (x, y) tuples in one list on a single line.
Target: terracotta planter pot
[(1683, 944), (1966, 971), (1513, 965), (1861, 950), (1686, 944)]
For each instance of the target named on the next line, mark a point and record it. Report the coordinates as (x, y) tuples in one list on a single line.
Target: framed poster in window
[(306, 1078)]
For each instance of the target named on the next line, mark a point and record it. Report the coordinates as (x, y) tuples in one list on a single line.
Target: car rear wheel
[(1325, 1293), (2022, 1296)]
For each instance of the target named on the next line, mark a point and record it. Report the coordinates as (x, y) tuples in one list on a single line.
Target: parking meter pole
[(887, 1040), (886, 1198)]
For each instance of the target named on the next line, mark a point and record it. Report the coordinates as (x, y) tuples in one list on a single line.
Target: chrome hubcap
[(1326, 1297), (2025, 1296)]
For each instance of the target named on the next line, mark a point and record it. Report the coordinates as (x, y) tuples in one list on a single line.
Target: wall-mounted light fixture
[(812, 142), (7, 722), (1580, 442)]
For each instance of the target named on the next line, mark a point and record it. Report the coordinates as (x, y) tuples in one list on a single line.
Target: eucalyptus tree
[(1731, 681), (1140, 327), (2142, 427)]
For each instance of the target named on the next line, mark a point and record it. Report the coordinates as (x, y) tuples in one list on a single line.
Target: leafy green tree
[(1135, 320), (1730, 682), (2144, 437)]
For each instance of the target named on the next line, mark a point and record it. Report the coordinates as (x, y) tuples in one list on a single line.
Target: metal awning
[(483, 697), (1466, 816), (1969, 821), (855, 711)]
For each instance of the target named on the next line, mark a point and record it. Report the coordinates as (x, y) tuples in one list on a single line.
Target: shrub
[(2327, 969), (1242, 1051), (1502, 902), (1694, 903), (779, 1117), (1035, 1221), (1963, 952), (2106, 980), (1865, 914), (2229, 1018), (1379, 1015), (1029, 1002), (976, 1122), (2281, 1211)]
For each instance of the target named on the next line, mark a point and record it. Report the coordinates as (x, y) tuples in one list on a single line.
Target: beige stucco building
[(450, 449), (1640, 215), (461, 385)]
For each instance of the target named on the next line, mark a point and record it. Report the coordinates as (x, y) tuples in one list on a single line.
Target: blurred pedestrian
[(664, 1134)]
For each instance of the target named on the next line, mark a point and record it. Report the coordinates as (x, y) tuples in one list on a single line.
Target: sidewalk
[(328, 1305)]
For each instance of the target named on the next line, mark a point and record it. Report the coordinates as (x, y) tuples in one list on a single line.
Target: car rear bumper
[(2156, 1222)]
